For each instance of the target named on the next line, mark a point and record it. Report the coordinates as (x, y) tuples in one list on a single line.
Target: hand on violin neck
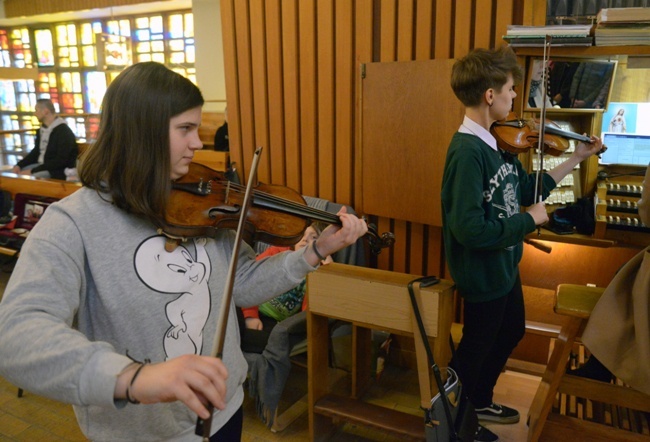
[(585, 150), (335, 238)]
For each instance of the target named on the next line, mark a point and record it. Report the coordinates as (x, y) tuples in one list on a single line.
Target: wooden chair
[(577, 302)]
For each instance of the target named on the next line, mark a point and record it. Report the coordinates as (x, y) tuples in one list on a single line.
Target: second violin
[(516, 135)]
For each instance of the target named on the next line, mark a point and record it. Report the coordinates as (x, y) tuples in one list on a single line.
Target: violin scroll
[(376, 242)]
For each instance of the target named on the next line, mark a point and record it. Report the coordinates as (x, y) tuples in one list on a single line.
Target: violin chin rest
[(171, 244)]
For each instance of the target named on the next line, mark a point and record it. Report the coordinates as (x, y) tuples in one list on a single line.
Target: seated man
[(55, 148)]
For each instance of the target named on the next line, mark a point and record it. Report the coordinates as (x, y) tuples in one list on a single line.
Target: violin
[(204, 201), (516, 136)]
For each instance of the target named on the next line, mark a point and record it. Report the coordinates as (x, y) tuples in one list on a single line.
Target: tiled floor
[(33, 418)]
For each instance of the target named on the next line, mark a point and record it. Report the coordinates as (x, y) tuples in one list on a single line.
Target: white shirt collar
[(469, 126)]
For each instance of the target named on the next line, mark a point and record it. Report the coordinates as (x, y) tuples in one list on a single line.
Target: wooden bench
[(14, 183), (370, 299), (577, 302), (371, 415)]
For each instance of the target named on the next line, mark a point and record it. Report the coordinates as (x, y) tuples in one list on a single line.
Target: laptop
[(626, 149)]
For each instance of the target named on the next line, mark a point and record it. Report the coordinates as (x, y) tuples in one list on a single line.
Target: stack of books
[(561, 35), (623, 27)]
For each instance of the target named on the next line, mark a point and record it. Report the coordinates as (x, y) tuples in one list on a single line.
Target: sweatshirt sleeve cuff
[(530, 223), (97, 385)]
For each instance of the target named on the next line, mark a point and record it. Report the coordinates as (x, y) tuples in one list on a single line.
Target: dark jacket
[(61, 152)]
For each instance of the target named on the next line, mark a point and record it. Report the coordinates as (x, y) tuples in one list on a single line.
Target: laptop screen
[(627, 149)]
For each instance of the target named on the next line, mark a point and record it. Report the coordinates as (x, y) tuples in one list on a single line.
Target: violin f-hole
[(223, 208)]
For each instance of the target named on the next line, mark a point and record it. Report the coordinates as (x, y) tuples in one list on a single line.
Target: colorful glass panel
[(5, 59), (189, 25), (95, 90), (44, 47), (7, 95), (176, 26), (69, 55)]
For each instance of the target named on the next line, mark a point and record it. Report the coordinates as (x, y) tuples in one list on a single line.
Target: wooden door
[(408, 115)]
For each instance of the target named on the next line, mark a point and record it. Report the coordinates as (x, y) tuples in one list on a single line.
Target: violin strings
[(298, 207)]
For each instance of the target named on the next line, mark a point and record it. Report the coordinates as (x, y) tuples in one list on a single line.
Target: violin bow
[(539, 188), (203, 426)]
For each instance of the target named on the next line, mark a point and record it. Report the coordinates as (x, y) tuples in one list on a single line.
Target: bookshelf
[(589, 121)]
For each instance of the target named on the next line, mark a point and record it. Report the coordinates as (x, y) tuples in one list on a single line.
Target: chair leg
[(282, 421), (543, 400)]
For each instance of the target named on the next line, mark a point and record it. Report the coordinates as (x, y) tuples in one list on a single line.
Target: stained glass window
[(116, 43), (25, 95), (44, 47), (5, 55), (7, 95), (149, 39), (20, 47), (77, 61), (71, 98), (94, 91), (88, 48), (66, 37)]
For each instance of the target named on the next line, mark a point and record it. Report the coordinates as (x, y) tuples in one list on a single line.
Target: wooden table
[(370, 299)]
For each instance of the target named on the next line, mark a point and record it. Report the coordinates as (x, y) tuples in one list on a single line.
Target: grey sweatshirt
[(90, 264)]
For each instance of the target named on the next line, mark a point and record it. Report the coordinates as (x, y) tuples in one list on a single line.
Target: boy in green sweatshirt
[(483, 190)]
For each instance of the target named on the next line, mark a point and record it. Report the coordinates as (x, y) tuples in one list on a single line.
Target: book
[(534, 41), (622, 35), (631, 15), (552, 30)]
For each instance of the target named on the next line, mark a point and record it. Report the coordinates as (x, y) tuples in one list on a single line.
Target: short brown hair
[(46, 103), (130, 159), (481, 70)]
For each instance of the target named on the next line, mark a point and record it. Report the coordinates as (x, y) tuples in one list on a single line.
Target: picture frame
[(584, 84)]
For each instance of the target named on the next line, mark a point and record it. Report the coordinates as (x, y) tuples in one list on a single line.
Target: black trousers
[(491, 331), (231, 431)]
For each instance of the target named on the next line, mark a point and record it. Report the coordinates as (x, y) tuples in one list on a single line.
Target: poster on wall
[(630, 118), (626, 133)]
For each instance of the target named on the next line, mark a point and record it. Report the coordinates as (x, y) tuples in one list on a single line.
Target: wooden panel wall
[(292, 79)]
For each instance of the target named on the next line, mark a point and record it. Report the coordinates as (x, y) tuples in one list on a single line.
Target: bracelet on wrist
[(316, 252), (130, 398)]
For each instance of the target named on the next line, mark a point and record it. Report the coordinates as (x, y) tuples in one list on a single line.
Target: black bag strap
[(427, 281)]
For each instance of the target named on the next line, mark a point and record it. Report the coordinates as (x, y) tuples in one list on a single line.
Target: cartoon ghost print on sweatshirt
[(178, 273)]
